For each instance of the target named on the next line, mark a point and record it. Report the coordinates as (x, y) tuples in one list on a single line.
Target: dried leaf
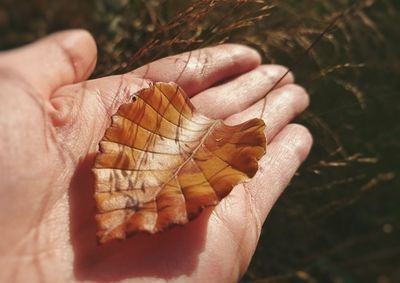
[(161, 163)]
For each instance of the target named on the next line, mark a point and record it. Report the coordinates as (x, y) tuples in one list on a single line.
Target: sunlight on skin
[(52, 120)]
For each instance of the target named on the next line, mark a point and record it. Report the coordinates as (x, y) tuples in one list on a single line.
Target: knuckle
[(276, 72), (302, 140), (297, 97), (294, 89)]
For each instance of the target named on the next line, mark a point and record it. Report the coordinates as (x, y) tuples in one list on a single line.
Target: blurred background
[(339, 220)]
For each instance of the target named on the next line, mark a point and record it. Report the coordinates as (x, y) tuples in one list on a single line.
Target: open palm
[(51, 121)]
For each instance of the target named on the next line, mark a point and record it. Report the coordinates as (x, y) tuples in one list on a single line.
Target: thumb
[(61, 58)]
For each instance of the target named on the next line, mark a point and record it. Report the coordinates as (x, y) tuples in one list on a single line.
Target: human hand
[(52, 119)]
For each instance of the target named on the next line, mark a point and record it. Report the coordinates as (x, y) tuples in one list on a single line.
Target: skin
[(52, 119)]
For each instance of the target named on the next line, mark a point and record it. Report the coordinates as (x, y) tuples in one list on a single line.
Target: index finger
[(197, 70)]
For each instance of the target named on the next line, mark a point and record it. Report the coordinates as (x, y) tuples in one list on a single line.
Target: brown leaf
[(161, 163)]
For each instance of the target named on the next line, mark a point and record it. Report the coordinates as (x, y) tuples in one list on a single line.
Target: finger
[(282, 106), (240, 93), (241, 214), (197, 70), (284, 155), (56, 60)]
